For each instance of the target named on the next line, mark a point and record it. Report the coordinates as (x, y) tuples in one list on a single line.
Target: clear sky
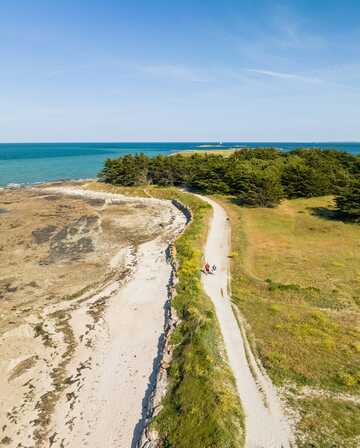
[(129, 70)]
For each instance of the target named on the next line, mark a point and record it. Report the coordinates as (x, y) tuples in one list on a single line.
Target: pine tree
[(348, 202)]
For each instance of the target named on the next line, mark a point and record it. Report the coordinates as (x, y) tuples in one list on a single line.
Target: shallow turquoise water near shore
[(28, 163)]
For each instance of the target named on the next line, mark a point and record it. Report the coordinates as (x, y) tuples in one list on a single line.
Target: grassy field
[(142, 191), (201, 408), (296, 279)]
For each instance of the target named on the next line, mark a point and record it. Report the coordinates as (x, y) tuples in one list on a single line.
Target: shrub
[(348, 202)]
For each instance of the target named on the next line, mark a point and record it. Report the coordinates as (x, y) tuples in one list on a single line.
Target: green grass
[(295, 279), (201, 408), (292, 244), (329, 423), (302, 344)]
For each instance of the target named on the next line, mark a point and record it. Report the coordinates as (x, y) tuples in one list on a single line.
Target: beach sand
[(76, 370)]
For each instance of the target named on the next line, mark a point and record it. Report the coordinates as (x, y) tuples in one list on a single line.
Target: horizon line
[(172, 141)]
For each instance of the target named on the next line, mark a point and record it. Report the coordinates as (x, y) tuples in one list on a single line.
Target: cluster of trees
[(257, 177)]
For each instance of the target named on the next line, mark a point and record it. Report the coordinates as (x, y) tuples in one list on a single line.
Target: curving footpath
[(266, 424)]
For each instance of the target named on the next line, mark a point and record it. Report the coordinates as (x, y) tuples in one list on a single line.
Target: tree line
[(258, 177)]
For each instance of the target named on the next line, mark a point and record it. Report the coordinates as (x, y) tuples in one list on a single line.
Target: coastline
[(81, 364)]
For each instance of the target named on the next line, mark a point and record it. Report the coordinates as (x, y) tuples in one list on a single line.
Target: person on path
[(207, 267)]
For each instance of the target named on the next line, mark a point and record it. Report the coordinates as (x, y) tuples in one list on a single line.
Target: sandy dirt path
[(111, 401), (266, 423)]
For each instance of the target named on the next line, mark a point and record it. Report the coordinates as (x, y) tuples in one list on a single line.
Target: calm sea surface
[(28, 163)]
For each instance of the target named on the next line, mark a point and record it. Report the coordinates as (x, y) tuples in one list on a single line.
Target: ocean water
[(28, 163)]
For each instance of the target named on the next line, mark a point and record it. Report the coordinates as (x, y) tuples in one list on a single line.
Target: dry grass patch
[(295, 278), (141, 191), (297, 243), (329, 423)]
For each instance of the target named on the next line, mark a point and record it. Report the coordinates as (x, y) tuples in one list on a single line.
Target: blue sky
[(190, 70)]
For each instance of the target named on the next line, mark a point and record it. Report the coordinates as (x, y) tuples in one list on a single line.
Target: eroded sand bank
[(75, 371)]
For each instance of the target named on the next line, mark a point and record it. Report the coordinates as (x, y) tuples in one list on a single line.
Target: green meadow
[(296, 279)]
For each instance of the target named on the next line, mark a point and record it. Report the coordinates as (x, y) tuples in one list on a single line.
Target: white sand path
[(111, 404), (266, 424)]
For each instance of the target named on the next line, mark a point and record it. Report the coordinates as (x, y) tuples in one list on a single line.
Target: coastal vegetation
[(201, 408), (254, 177), (295, 278)]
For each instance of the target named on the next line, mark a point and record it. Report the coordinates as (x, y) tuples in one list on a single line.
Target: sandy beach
[(77, 371)]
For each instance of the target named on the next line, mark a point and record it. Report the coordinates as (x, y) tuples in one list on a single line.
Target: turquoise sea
[(28, 163)]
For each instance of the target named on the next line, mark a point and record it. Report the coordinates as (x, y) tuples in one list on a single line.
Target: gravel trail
[(266, 423)]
